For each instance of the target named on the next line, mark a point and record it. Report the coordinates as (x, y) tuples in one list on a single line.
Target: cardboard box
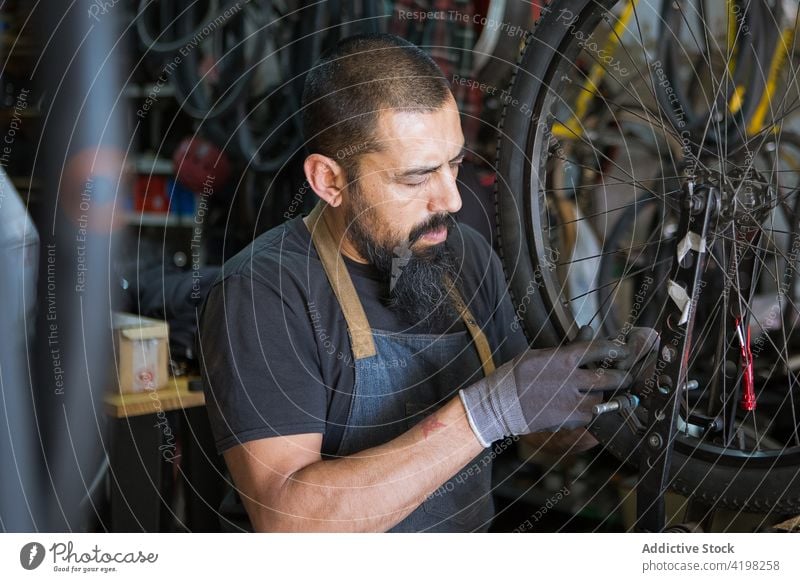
[(141, 351)]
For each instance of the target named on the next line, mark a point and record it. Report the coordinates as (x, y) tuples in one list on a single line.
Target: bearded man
[(359, 362)]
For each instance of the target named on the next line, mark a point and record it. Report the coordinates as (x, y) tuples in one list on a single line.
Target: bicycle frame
[(672, 366), (573, 128)]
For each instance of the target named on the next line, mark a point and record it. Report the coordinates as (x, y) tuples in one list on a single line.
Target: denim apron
[(402, 378)]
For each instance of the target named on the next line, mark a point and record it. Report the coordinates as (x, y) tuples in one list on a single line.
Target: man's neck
[(336, 225)]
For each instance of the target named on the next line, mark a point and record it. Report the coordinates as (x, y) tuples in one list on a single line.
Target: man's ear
[(326, 177)]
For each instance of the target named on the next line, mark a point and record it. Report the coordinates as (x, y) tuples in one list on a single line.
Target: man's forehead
[(407, 135)]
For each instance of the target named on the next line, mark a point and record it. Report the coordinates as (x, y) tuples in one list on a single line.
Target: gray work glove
[(544, 390), (643, 344)]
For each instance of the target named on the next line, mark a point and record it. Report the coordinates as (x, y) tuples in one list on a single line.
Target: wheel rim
[(538, 223)]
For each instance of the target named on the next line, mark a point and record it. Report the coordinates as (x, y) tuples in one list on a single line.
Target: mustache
[(435, 222)]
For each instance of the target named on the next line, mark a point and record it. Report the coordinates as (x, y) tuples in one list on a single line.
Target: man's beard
[(418, 282)]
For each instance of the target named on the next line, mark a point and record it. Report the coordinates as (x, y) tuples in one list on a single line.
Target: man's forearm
[(375, 489)]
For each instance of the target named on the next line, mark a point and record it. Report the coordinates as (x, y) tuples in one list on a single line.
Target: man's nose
[(447, 198)]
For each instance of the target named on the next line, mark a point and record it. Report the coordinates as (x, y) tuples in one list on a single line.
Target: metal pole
[(82, 154)]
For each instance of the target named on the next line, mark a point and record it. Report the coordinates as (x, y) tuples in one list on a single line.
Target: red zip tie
[(748, 402)]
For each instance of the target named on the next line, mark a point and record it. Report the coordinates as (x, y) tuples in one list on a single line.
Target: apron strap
[(357, 323), (328, 249), (478, 337)]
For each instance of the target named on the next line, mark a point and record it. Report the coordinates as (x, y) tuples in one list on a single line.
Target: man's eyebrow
[(461, 153), (421, 171)]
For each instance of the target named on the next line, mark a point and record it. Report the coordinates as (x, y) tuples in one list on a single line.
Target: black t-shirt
[(274, 344)]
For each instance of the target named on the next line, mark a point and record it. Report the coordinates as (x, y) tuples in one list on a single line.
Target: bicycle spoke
[(627, 276), (750, 310), (736, 122), (608, 253), (604, 157)]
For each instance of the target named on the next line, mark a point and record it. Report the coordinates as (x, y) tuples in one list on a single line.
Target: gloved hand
[(543, 390), (643, 344)]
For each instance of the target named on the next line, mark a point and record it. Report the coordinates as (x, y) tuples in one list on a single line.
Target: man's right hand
[(544, 390)]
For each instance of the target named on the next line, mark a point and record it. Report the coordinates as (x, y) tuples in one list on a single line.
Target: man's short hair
[(349, 86)]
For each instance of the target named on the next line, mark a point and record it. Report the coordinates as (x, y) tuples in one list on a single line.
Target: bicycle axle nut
[(624, 402)]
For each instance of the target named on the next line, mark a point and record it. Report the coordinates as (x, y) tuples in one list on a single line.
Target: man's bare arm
[(286, 486)]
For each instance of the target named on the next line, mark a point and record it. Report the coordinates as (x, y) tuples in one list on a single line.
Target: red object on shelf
[(200, 165), (150, 194)]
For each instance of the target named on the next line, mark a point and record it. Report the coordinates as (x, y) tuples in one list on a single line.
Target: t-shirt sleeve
[(507, 330), (259, 362)]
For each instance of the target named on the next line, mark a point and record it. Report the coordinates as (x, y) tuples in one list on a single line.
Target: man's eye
[(417, 184)]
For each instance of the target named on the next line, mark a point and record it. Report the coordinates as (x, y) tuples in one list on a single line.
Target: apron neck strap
[(478, 337), (328, 250), (357, 323)]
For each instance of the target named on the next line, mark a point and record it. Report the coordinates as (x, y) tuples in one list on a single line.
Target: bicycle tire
[(723, 478), (745, 484)]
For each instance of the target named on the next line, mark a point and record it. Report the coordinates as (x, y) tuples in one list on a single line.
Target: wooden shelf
[(174, 396), (152, 166), (162, 219)]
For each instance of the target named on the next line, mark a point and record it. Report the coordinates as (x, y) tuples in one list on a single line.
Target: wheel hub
[(745, 197)]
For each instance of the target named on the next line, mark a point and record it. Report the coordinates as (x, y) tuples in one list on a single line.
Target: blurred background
[(144, 143)]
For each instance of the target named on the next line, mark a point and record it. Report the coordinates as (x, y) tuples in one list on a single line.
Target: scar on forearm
[(430, 425)]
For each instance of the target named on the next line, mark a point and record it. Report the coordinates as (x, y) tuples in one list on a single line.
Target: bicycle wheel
[(722, 455)]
